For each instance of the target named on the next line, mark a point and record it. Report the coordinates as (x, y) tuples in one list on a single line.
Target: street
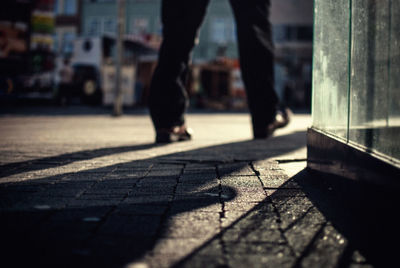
[(85, 189)]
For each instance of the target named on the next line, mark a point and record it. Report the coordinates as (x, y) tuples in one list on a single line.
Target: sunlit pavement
[(90, 190)]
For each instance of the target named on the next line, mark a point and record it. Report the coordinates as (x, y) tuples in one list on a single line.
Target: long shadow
[(365, 214), (339, 222), (65, 159), (221, 153), (114, 215)]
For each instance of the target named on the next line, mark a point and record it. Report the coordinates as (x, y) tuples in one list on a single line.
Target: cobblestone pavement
[(89, 190)]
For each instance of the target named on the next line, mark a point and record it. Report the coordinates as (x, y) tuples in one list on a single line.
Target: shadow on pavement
[(221, 153), (111, 216), (65, 159), (328, 221)]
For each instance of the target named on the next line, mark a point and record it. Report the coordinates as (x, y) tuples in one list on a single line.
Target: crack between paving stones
[(224, 230), (309, 247), (221, 217), (298, 219), (276, 211), (112, 209), (285, 161), (95, 182), (51, 213), (164, 216)]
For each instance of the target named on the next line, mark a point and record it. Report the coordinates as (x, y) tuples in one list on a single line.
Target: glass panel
[(394, 77), (370, 71), (330, 67)]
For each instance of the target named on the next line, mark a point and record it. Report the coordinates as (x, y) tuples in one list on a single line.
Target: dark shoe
[(178, 133), (282, 119)]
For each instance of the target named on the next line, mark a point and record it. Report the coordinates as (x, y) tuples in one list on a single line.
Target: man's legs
[(256, 59), (168, 99)]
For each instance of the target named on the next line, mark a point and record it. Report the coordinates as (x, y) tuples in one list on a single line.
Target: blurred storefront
[(26, 49), (215, 79), (217, 48), (67, 29)]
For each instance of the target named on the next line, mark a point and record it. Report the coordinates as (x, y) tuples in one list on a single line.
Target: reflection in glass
[(356, 73), (330, 68)]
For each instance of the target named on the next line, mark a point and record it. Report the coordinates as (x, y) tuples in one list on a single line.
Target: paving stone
[(360, 265), (206, 226), (78, 215), (239, 206), (140, 198), (159, 181), (259, 224), (284, 193), (180, 205), (153, 190), (210, 255), (235, 169), (281, 181), (300, 234), (293, 209), (93, 191), (131, 225), (141, 209), (183, 247), (166, 172), (39, 201), (245, 194), (198, 178), (209, 189), (115, 250), (94, 201), (326, 250), (241, 181), (277, 257), (266, 167)]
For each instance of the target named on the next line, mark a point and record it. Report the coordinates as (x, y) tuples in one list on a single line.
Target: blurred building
[(292, 24), (26, 49), (67, 28), (68, 25), (292, 32)]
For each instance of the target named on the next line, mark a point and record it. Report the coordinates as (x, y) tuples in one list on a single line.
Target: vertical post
[(119, 52)]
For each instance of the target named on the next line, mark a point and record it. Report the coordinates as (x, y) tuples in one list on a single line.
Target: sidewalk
[(90, 190)]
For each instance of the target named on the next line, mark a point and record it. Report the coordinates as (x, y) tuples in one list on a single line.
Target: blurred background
[(64, 52)]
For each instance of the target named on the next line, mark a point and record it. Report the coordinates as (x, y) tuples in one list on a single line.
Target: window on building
[(279, 33), (93, 26), (139, 26), (223, 30), (68, 43), (109, 25), (57, 7), (70, 7), (292, 33), (304, 33), (158, 26), (55, 42)]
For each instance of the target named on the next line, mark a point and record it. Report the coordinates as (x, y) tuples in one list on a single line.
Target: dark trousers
[(181, 20)]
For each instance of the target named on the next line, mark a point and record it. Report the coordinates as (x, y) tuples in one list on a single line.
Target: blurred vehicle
[(26, 57), (93, 61)]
